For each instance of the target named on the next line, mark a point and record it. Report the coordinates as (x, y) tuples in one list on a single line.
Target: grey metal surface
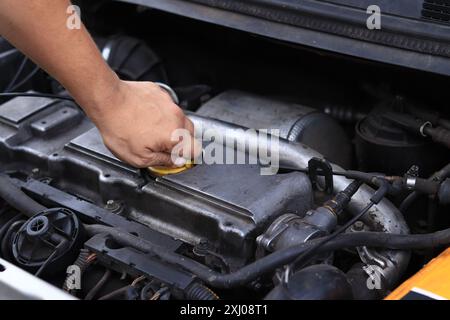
[(252, 111), (224, 206), (383, 217), (295, 122)]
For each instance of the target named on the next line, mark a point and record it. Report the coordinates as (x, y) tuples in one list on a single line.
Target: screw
[(201, 249), (113, 206), (358, 226)]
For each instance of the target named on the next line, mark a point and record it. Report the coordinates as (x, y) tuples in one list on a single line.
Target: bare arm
[(136, 119)]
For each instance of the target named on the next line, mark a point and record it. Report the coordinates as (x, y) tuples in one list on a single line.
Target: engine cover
[(224, 207)]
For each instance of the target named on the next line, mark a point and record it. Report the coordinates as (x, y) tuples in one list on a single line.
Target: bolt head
[(358, 225)]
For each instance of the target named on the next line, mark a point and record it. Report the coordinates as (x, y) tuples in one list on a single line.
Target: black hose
[(198, 291), (150, 287), (408, 201), (116, 293), (412, 197), (17, 199), (6, 226), (279, 258), (91, 294), (6, 243)]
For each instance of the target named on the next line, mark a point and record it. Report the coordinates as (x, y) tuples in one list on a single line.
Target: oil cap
[(164, 171)]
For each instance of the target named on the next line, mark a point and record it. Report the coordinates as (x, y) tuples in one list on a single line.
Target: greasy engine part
[(383, 217), (296, 123), (49, 241), (329, 282), (289, 230), (383, 146), (222, 207)]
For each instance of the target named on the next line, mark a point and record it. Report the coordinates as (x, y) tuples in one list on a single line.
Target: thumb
[(161, 159)]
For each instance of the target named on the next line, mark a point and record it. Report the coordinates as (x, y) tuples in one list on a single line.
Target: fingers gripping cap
[(163, 171)]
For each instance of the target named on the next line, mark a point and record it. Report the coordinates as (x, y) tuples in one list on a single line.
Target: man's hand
[(137, 122)]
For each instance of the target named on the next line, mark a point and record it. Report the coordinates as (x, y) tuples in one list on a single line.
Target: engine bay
[(358, 206)]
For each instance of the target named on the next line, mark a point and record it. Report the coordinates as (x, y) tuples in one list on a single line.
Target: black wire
[(16, 76), (50, 258), (46, 263), (26, 79), (37, 95)]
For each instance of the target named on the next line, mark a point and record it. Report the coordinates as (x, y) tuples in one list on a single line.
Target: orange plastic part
[(432, 282), (163, 171)]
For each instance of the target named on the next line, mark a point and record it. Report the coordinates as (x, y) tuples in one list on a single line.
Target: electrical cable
[(50, 258), (26, 79), (16, 76)]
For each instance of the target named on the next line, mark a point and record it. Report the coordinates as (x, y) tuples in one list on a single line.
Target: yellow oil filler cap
[(164, 171), (430, 283)]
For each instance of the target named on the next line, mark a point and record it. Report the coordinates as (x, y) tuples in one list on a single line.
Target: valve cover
[(224, 207)]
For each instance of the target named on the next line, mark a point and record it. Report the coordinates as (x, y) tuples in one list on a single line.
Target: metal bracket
[(321, 167)]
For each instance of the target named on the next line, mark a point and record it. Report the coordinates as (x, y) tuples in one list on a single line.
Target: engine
[(329, 223)]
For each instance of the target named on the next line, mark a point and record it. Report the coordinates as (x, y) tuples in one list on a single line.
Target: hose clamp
[(423, 126), (411, 183)]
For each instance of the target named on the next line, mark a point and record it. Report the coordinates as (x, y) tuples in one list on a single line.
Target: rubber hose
[(91, 294), (6, 226), (439, 176), (198, 291), (6, 243), (115, 293), (17, 199), (279, 258)]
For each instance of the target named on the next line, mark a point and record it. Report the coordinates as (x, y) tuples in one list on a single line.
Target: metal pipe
[(384, 217)]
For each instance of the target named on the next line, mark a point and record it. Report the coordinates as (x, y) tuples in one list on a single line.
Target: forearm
[(39, 29)]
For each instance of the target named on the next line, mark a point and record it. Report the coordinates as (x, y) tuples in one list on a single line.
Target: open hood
[(413, 34)]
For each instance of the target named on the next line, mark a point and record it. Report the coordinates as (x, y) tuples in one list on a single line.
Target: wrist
[(98, 99)]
